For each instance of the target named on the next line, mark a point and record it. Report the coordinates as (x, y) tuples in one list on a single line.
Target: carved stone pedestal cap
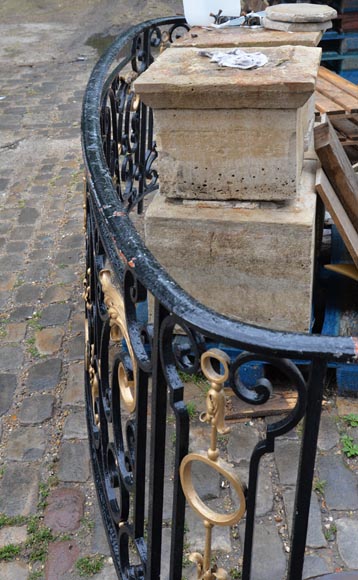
[(301, 12), (182, 79)]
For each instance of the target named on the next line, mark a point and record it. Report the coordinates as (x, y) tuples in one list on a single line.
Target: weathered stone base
[(252, 264), (254, 154)]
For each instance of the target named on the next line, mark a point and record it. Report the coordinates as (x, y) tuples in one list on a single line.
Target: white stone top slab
[(301, 12), (182, 79)]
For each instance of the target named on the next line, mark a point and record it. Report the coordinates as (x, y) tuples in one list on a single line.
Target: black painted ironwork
[(142, 360)]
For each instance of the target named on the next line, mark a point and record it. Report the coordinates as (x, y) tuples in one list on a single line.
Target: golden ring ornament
[(197, 504)]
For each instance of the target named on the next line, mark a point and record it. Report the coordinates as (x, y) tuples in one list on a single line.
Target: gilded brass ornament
[(215, 416), (119, 331)]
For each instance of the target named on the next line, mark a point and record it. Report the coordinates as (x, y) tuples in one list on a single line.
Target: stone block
[(247, 154), (225, 133), (251, 262)]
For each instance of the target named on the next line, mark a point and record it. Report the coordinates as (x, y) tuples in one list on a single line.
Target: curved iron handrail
[(128, 358), (148, 269)]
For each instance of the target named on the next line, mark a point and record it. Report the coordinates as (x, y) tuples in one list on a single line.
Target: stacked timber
[(234, 221)]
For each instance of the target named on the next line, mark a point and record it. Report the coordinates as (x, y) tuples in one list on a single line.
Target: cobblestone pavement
[(48, 514)]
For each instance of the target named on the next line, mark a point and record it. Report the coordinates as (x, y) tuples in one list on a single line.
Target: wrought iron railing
[(133, 362)]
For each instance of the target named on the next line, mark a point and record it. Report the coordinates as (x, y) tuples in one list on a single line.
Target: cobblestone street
[(49, 522)]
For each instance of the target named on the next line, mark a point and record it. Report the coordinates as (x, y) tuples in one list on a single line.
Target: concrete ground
[(48, 514)]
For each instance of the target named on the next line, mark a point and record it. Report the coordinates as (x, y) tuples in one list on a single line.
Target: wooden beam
[(338, 214), (338, 168), (338, 95), (330, 76)]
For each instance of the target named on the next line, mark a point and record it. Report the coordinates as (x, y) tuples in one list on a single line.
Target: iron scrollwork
[(130, 363)]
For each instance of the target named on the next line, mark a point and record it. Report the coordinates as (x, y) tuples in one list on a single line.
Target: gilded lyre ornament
[(119, 331), (215, 416)]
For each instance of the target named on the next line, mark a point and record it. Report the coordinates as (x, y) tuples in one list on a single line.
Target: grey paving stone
[(19, 499), (12, 263), (44, 375), (287, 455), (264, 496), (14, 247), (22, 313), (314, 566), (74, 462), (165, 563), (74, 390), (206, 481), (11, 358), (13, 571), (269, 560), (7, 389), (196, 533), (75, 426), (55, 314), (57, 294), (26, 444), (36, 409), (28, 293), (99, 539), (28, 215), (75, 348), (21, 233), (315, 536), (12, 535), (341, 489), (347, 540), (243, 439), (328, 434)]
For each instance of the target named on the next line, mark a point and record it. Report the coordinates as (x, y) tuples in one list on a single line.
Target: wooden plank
[(347, 127), (338, 214), (330, 76), (337, 95), (281, 402), (338, 168), (348, 270), (325, 105)]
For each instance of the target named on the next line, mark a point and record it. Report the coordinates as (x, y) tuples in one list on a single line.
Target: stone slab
[(315, 536), (61, 558), (228, 37), (314, 566), (265, 254), (26, 444), (244, 154), (44, 375), (347, 540), (242, 441), (287, 457), (19, 499), (264, 496), (297, 26), (48, 340), (12, 535), (36, 409), (11, 358), (267, 547), (301, 12), (74, 462), (74, 390), (341, 488), (14, 570), (328, 435), (64, 510), (180, 78), (7, 389), (75, 426), (196, 532)]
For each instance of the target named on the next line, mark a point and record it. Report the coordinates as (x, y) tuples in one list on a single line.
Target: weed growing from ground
[(90, 565), (351, 419), (350, 449), (9, 552)]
